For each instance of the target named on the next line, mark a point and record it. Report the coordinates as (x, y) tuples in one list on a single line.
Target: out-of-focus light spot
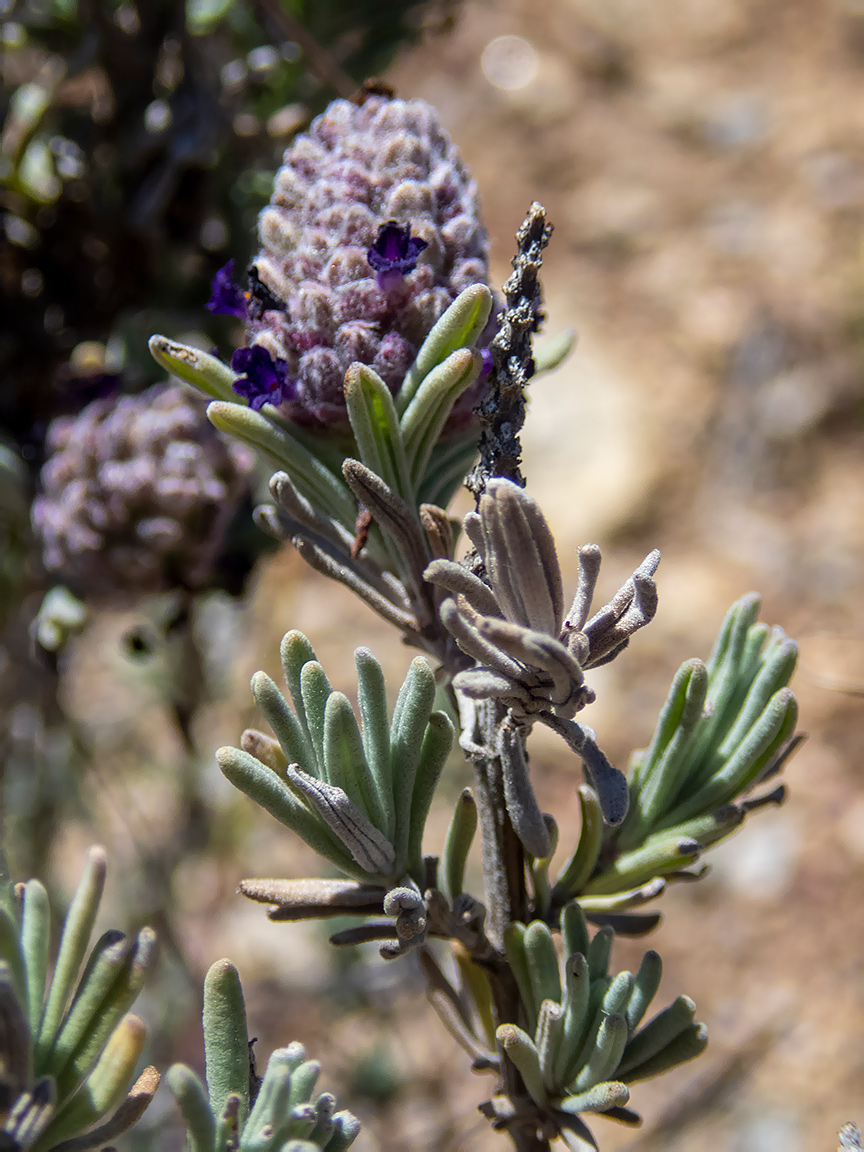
[(509, 62), (233, 75), (157, 116), (245, 124), (263, 59), (214, 233), (32, 282)]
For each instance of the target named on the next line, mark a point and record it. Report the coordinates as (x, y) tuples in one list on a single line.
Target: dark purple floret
[(394, 254), (227, 298), (264, 381), (488, 363)]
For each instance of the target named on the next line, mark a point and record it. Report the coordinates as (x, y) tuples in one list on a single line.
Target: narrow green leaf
[(687, 1045), (548, 1038), (428, 412), (437, 742), (191, 1095), (577, 990), (459, 327), (195, 367), (520, 1048), (645, 985), (120, 998), (345, 761), (577, 870), (107, 963), (275, 797), (77, 927), (661, 855), (315, 689), (303, 1082), (375, 424), (603, 1060), (460, 836), (771, 731), (226, 1042), (410, 717), (574, 930), (313, 479), (104, 1088), (35, 948), (449, 464), (295, 651), (600, 1098), (600, 952), (285, 725), (661, 776), (372, 701), (657, 1033), (270, 1118), (517, 958), (542, 963)]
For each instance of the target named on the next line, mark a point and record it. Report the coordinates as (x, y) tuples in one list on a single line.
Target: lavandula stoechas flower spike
[(137, 494), (258, 1114), (372, 232), (529, 657), (68, 1044)]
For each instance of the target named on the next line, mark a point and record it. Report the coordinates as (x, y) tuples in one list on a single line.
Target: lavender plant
[(69, 1045), (378, 361), (237, 1108)]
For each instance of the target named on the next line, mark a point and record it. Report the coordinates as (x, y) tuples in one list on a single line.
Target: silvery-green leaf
[(426, 415), (657, 1033), (449, 464), (103, 970), (206, 372), (105, 1087), (600, 1098), (226, 1041), (552, 352), (520, 1048), (346, 762), (275, 797), (372, 701), (375, 424), (313, 479), (122, 995), (190, 1094), (458, 844), (437, 742), (458, 328), (542, 963), (73, 947), (687, 1045), (407, 730)]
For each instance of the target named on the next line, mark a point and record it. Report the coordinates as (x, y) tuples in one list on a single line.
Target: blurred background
[(703, 165)]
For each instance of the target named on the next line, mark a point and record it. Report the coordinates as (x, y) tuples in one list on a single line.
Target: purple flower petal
[(394, 254), (227, 298), (263, 380)]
